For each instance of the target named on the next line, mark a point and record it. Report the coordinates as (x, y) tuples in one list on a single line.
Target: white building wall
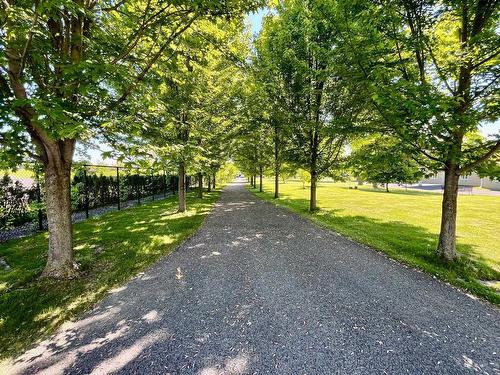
[(471, 180), (437, 179), (489, 184)]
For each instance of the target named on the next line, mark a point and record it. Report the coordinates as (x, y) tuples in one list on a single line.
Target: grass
[(109, 250), (405, 226), (20, 173)]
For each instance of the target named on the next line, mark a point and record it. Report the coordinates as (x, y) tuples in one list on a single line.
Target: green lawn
[(109, 250), (20, 173), (405, 225)]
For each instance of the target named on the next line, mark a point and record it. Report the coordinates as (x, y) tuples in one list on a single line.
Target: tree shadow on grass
[(392, 191), (408, 243), (108, 249)]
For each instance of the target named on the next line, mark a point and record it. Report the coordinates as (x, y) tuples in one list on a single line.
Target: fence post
[(39, 200), (86, 192), (153, 185), (165, 186), (138, 188), (118, 185)]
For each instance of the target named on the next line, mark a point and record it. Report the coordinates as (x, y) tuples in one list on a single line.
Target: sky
[(255, 22), (491, 128)]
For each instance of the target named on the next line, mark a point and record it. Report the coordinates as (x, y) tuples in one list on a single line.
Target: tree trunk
[(182, 187), (386, 187), (209, 183), (447, 236), (276, 183), (260, 179), (314, 171), (276, 164), (312, 198), (255, 181), (214, 180), (200, 185), (60, 261)]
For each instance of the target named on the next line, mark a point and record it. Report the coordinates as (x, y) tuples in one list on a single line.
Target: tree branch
[(114, 7), (146, 69), (28, 41), (438, 69), (492, 151), (486, 59)]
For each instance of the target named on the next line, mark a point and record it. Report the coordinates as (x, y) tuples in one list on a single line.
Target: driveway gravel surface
[(259, 290)]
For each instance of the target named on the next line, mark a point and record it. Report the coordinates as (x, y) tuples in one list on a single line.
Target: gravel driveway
[(261, 290)]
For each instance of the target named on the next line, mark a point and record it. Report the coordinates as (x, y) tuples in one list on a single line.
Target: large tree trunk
[(200, 185), (260, 179), (214, 181), (209, 187), (182, 187), (60, 261), (447, 237)]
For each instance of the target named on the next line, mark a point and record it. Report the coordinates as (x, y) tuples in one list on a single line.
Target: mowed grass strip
[(405, 226), (109, 250)]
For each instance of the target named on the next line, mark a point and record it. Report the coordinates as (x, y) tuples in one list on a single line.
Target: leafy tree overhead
[(299, 44), (187, 111), (254, 148), (176, 86), (271, 97), (432, 70), (65, 65)]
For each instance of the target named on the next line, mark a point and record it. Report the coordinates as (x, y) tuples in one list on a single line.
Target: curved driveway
[(259, 290)]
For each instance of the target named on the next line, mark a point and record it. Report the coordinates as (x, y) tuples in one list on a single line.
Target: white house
[(469, 180)]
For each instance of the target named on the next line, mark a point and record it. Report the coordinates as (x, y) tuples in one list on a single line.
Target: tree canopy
[(181, 86)]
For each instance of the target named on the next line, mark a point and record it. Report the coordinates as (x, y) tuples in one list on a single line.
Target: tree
[(254, 148), (300, 45), (304, 177), (187, 112), (432, 70), (490, 170), (271, 80), (227, 173), (64, 66), (253, 153), (383, 161)]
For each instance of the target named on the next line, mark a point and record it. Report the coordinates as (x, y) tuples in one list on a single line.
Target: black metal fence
[(95, 186), (20, 200), (94, 189)]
